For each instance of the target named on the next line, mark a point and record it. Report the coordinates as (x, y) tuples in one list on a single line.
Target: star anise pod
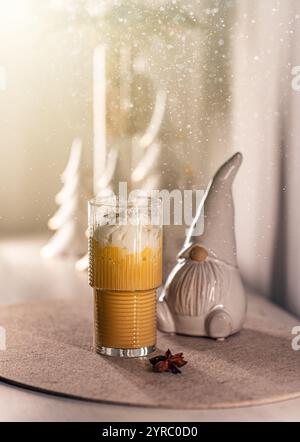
[(168, 362)]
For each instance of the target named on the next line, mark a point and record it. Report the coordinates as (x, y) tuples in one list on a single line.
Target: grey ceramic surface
[(204, 294)]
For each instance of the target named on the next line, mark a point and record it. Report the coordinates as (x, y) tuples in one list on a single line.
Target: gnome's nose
[(198, 253)]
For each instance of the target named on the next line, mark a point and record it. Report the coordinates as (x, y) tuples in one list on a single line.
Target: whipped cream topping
[(130, 230), (131, 238)]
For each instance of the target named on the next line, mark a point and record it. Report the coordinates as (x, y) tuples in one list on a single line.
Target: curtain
[(265, 128)]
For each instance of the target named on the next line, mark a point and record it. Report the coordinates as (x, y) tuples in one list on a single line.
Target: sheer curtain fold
[(265, 115)]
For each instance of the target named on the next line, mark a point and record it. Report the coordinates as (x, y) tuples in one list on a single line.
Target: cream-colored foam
[(131, 238)]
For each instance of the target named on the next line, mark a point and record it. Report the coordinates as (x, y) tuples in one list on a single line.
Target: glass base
[(126, 352)]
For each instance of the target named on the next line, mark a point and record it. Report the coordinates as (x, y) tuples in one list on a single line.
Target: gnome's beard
[(199, 287)]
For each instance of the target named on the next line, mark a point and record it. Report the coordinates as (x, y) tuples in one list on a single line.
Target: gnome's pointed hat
[(218, 237)]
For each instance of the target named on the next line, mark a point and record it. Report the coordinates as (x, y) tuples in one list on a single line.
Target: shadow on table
[(248, 368)]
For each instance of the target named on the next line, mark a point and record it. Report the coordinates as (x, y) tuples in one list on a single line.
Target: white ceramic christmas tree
[(70, 220)]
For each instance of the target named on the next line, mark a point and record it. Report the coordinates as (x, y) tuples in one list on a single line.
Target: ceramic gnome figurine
[(204, 295)]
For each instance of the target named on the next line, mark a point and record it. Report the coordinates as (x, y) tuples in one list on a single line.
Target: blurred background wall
[(45, 105), (48, 101)]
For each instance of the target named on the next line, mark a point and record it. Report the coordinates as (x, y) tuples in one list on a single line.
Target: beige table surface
[(23, 276)]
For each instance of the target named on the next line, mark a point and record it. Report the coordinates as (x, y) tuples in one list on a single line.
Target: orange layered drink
[(125, 249)]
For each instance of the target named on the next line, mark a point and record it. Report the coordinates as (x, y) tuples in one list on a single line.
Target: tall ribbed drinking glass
[(125, 270)]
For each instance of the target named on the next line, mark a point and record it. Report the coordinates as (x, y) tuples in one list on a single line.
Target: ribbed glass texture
[(125, 253)]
